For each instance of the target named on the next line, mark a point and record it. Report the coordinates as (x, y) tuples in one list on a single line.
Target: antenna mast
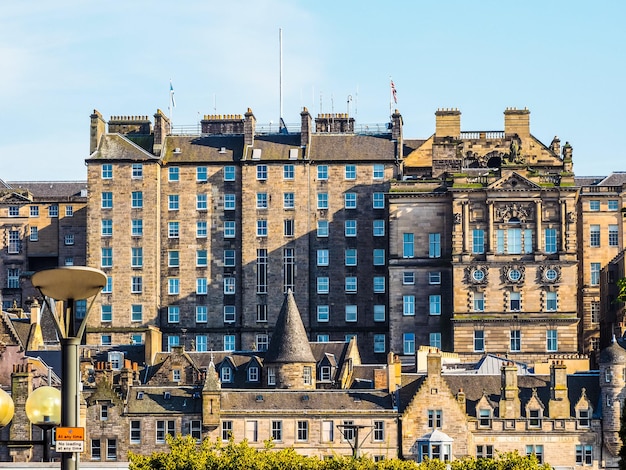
[(280, 75)]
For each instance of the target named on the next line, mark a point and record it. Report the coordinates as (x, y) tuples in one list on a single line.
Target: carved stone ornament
[(513, 274), (550, 274), (457, 218), (571, 217), (522, 212), (476, 274)]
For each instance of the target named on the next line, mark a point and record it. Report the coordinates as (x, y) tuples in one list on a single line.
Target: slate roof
[(152, 400), (296, 401), (51, 189), (289, 343), (118, 147), (617, 178), (206, 149), (351, 147)]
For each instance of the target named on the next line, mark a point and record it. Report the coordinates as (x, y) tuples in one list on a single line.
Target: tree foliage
[(621, 296), (186, 454)]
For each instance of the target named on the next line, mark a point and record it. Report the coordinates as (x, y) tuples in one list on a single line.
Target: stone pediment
[(514, 182), (15, 198)]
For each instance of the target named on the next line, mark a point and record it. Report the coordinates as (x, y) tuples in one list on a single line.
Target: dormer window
[(176, 375), (583, 416), (253, 374), (484, 418), (271, 376), (325, 372), (534, 418), (226, 374)]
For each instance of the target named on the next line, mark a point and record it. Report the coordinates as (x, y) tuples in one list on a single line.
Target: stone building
[(43, 225)]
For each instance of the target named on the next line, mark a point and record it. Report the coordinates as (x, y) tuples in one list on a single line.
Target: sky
[(564, 60)]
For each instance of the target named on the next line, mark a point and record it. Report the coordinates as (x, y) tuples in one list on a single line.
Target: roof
[(207, 149), (52, 189), (159, 400), (289, 343), (118, 147), (351, 147)]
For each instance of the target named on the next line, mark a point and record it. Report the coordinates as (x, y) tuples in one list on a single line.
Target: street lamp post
[(69, 284)]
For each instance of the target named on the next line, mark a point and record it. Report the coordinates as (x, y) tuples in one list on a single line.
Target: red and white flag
[(394, 93)]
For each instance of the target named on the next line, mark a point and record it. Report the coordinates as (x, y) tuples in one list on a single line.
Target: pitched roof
[(52, 189), (289, 343)]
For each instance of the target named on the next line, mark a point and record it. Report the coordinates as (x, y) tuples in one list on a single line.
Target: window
[(106, 257), (408, 305), (201, 286), (379, 284), (108, 288), (551, 341), (69, 261), (323, 338), (351, 284), (584, 417), (229, 314), (135, 432), (434, 340), (594, 205), (350, 228), (34, 234), (584, 454), (594, 235), (261, 271), (15, 244), (229, 173), (479, 301), (378, 200), (173, 286), (288, 227), (595, 312), (261, 172), (173, 229), (226, 374), (229, 202), (229, 342), (534, 418), (172, 342), (229, 285), (302, 431), (408, 343), (478, 241), (227, 430), (13, 278), (378, 171), (173, 203), (322, 228), (173, 174), (277, 431), (613, 235), (105, 340), (271, 376), (136, 228), (173, 314), (106, 313), (434, 302), (136, 339), (202, 258), (351, 313), (229, 229), (537, 450), (434, 245), (328, 431), (435, 418), (261, 313), (349, 200), (196, 429), (514, 301), (322, 172), (322, 200), (550, 240), (288, 172), (408, 250), (379, 257), (229, 258), (595, 274), (288, 201), (106, 227), (136, 313), (163, 428), (379, 343), (322, 257), (136, 257), (378, 228), (104, 412), (350, 257), (201, 174), (261, 228), (202, 343), (350, 172), (323, 313), (111, 449), (262, 342), (201, 313), (322, 285), (107, 201), (34, 211), (379, 313), (479, 340), (612, 204), (289, 269), (253, 374), (307, 375), (484, 452), (201, 202), (261, 200), (408, 278), (53, 210), (551, 301), (137, 171), (136, 200), (95, 449), (14, 211), (348, 430), (107, 171), (516, 340)]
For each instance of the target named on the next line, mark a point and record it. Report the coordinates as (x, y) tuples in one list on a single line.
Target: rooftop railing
[(273, 128)]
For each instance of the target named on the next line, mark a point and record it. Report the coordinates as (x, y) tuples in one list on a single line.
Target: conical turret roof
[(289, 343)]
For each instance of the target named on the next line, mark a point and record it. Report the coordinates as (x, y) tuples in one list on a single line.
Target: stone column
[(539, 236)]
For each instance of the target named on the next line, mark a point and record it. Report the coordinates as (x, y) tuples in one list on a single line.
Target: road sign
[(69, 446), (70, 434)]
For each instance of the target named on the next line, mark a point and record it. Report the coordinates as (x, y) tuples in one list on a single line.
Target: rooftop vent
[(259, 398), (293, 154), (256, 154), (177, 150), (167, 395), (305, 398), (222, 149), (139, 395)]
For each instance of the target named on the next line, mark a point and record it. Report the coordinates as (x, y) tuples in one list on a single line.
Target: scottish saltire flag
[(172, 101)]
